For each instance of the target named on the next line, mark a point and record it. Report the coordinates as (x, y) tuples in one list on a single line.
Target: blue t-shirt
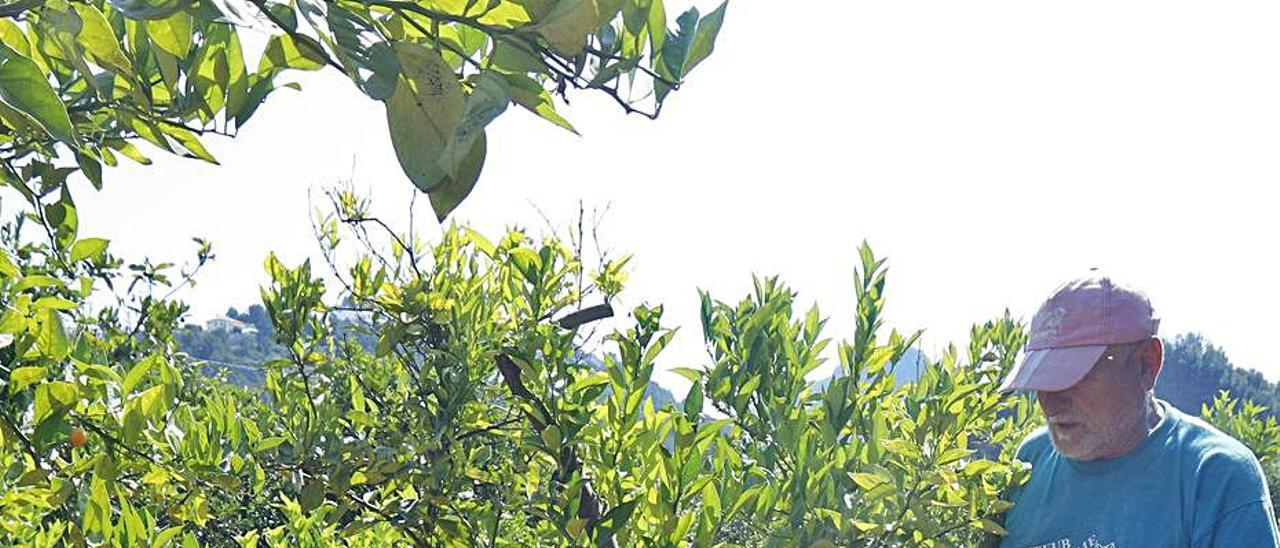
[(1187, 484)]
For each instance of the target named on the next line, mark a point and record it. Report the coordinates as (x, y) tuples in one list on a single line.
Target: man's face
[(1103, 415)]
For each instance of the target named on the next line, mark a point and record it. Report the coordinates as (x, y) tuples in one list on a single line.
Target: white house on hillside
[(229, 325)]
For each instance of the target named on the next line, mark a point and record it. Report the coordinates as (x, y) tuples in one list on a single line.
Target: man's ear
[(1151, 353)]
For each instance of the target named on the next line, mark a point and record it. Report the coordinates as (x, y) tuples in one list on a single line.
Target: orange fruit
[(78, 437)]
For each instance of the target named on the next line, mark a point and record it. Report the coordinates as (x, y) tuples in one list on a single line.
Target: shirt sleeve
[(1249, 525)]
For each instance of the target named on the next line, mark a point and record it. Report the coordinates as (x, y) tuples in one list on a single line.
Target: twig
[(308, 42)]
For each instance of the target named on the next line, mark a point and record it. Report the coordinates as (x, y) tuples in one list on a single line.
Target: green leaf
[(566, 27), (23, 377), (693, 375), (711, 498), (88, 248), (24, 87), (149, 9), (488, 99), (97, 513), (165, 537), (423, 113), (50, 302), (450, 192), (529, 94), (153, 402), (693, 402), (285, 51), (100, 40), (53, 399), (51, 337), (616, 518), (978, 467), (91, 168), (312, 495), (129, 150), (588, 381), (7, 268), (551, 437), (188, 141), (704, 39), (172, 34), (867, 481), (136, 374), (989, 526)]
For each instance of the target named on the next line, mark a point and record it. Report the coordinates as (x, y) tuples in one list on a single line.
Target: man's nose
[(1053, 403)]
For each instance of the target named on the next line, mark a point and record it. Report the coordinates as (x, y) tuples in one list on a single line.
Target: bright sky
[(990, 150)]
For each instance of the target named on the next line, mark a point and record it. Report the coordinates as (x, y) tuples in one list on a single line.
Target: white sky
[(990, 149)]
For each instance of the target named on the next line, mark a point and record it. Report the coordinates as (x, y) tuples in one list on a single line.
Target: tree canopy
[(82, 83)]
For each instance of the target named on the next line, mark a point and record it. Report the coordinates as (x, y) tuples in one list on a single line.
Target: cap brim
[(1052, 369)]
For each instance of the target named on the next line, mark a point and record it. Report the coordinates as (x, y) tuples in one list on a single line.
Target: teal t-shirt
[(1187, 484)]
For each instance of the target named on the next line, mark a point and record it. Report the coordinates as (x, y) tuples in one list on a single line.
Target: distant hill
[(1195, 370), (907, 369), (240, 354)]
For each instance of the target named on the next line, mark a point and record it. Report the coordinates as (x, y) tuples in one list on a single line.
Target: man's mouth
[(1062, 425)]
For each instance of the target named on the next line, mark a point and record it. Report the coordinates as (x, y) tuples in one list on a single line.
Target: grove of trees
[(462, 411)]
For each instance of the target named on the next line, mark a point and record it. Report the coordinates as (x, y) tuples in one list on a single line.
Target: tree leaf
[(693, 402), (100, 40), (149, 9), (87, 248), (488, 99), (24, 87), (528, 93), (566, 27), (23, 377), (704, 39), (172, 34), (423, 113), (284, 51), (189, 141)]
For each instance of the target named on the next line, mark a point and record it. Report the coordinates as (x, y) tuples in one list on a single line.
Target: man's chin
[(1067, 445)]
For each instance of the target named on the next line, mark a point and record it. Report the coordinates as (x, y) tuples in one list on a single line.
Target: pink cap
[(1073, 329)]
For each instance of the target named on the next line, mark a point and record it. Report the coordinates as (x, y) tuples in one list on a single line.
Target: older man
[(1116, 467)]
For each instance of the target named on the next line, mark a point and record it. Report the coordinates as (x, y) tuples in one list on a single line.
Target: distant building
[(229, 325)]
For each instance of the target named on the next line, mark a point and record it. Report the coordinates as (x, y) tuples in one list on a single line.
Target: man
[(1115, 467)]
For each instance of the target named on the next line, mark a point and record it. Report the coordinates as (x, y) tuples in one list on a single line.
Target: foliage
[(1247, 421), (863, 463), (474, 418), (160, 438), (82, 82)]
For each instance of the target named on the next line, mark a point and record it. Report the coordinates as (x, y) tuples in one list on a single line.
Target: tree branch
[(12, 10)]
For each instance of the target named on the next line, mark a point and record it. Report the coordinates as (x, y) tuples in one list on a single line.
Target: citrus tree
[(81, 83), (477, 416)]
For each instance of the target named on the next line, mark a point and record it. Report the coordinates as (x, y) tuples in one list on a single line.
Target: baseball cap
[(1073, 328)]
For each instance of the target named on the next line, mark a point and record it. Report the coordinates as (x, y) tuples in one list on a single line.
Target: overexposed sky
[(989, 149)]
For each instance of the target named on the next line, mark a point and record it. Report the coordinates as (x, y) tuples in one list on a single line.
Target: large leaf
[(172, 34), (423, 113), (487, 100), (704, 39), (24, 87), (449, 193), (284, 51), (529, 94), (566, 28), (100, 40)]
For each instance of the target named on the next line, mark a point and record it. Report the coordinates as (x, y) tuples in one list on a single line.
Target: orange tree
[(82, 82), (477, 419)]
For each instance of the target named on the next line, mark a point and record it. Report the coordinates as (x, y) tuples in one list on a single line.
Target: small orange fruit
[(78, 437)]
